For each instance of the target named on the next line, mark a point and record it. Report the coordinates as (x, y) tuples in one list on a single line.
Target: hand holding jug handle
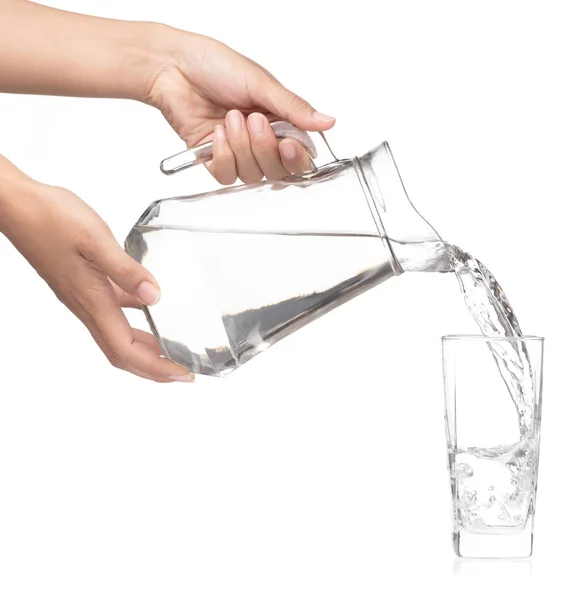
[(203, 153)]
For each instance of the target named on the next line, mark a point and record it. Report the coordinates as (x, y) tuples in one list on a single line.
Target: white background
[(317, 470)]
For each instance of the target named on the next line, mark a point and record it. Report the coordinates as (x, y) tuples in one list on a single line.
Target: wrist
[(140, 58), (18, 193), (149, 49)]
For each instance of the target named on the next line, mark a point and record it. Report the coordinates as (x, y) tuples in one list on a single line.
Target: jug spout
[(414, 244)]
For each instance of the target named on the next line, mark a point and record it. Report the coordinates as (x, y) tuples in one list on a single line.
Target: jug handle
[(203, 153)]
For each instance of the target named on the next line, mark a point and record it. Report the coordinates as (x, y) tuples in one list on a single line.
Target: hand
[(74, 251), (202, 87)]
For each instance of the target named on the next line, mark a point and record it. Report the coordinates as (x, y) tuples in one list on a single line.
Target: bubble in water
[(520, 454), (464, 470), (468, 498), (504, 513), (478, 503)]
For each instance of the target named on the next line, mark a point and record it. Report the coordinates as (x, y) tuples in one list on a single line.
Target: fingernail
[(220, 134), (234, 119), (256, 123), (288, 149), (182, 378), (322, 118), (148, 293)]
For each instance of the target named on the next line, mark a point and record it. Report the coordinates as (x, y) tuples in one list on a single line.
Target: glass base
[(475, 545)]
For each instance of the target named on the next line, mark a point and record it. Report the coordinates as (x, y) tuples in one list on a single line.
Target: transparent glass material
[(493, 442), (242, 267)]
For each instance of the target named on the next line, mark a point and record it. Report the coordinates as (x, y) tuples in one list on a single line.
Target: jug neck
[(396, 218)]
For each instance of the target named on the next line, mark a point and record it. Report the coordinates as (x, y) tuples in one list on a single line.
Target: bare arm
[(201, 86), (48, 51)]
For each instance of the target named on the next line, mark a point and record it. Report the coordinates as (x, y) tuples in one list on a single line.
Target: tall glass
[(493, 419)]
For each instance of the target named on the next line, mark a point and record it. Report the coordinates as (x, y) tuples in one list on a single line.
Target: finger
[(291, 107), (265, 147), (144, 374), (223, 165), (294, 156), (147, 339), (239, 140), (124, 348), (148, 376), (141, 338), (125, 299), (123, 270)]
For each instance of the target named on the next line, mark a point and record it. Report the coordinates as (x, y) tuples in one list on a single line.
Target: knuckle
[(86, 243), (251, 178), (223, 155), (91, 294), (224, 162), (56, 191), (265, 145), (224, 175), (118, 358), (240, 143), (222, 151), (154, 370), (295, 101), (277, 174), (226, 179), (123, 271), (91, 302)]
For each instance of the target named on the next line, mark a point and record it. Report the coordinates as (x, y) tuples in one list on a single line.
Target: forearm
[(48, 51)]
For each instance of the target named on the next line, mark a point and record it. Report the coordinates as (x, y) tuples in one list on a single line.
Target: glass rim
[(486, 338)]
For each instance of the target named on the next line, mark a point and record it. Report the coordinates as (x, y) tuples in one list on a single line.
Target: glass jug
[(243, 267)]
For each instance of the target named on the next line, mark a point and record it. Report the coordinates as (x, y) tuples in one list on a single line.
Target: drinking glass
[(493, 420)]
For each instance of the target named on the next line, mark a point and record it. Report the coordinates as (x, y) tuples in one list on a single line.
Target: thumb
[(125, 272), (291, 107)]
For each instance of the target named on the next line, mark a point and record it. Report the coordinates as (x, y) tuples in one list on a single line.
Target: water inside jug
[(245, 266)]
